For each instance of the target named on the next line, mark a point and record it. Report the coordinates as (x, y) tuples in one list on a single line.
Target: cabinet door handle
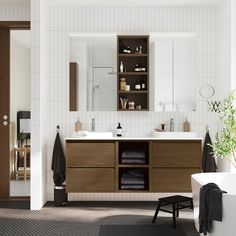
[(5, 122), (5, 117)]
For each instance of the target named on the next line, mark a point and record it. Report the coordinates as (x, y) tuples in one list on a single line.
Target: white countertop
[(126, 138)]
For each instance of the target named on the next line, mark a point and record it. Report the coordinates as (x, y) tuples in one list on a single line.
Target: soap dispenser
[(163, 127), (119, 130), (78, 125), (186, 125)]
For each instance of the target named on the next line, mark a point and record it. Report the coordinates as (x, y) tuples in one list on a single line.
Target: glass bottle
[(121, 67), (143, 84), (78, 126), (122, 84), (119, 130), (137, 85), (186, 125)]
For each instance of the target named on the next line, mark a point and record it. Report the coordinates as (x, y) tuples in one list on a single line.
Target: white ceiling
[(136, 3), (22, 37), (119, 3)]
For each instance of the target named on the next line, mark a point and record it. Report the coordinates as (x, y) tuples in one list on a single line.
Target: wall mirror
[(23, 123), (93, 72), (174, 61)]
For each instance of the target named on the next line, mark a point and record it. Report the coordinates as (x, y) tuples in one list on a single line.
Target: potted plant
[(21, 137), (224, 145)]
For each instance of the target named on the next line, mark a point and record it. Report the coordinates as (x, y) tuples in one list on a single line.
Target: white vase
[(225, 165)]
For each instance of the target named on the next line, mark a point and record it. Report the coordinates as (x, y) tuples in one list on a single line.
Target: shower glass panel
[(95, 56), (103, 95)]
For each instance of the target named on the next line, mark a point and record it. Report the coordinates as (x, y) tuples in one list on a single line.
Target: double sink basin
[(158, 135)]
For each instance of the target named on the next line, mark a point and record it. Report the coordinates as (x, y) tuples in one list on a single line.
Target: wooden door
[(4, 110)]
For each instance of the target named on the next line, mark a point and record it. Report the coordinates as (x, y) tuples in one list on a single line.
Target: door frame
[(5, 165)]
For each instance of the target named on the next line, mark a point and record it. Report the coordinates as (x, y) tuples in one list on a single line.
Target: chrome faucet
[(172, 125), (93, 125)]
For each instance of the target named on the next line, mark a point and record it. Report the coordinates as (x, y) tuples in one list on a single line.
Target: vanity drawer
[(176, 154), (90, 180), (172, 179), (90, 154)]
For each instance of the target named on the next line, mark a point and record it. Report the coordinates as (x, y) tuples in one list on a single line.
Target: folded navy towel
[(133, 154)]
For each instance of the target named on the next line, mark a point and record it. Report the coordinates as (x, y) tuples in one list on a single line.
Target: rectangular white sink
[(174, 135), (86, 134)]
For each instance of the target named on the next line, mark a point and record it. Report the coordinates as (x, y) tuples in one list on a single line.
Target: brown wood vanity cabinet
[(90, 166), (105, 166), (173, 162)]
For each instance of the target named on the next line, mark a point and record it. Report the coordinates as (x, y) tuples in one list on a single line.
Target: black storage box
[(60, 196)]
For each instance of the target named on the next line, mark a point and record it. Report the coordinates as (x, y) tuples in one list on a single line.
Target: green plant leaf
[(224, 145)]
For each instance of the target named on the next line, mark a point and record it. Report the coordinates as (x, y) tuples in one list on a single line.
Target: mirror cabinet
[(111, 72)]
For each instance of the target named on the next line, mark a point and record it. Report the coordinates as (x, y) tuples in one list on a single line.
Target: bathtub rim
[(196, 178)]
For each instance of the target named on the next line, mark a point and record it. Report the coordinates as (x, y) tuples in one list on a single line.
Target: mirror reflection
[(175, 66), (96, 71), (93, 72)]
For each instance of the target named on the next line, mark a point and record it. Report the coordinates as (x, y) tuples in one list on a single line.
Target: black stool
[(177, 203)]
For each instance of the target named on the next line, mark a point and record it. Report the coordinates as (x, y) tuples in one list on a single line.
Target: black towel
[(58, 162), (208, 160), (210, 206)]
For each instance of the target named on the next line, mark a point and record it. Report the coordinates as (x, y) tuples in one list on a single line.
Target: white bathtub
[(227, 182)]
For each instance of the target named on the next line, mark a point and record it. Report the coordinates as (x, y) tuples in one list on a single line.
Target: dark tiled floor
[(83, 218)]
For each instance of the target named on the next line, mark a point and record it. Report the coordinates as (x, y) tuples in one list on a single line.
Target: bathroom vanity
[(131, 164)]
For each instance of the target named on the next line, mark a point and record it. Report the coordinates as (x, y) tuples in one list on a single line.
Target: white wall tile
[(224, 46), (16, 13), (53, 74), (39, 104)]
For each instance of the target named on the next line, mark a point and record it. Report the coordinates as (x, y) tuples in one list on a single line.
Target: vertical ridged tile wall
[(17, 13), (232, 8), (39, 103), (233, 44), (65, 20), (225, 38), (223, 43)]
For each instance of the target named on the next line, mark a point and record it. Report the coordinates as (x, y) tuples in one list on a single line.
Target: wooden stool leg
[(177, 210), (14, 164), (191, 204), (25, 164), (174, 219), (156, 213)]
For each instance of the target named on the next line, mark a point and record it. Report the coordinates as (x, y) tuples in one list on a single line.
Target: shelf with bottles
[(132, 73), (132, 110), (133, 91), (132, 101), (137, 84), (137, 65), (132, 55), (133, 66), (133, 44)]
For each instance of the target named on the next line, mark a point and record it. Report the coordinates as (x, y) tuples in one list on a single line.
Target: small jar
[(131, 105), (127, 87), (138, 107), (122, 84)]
